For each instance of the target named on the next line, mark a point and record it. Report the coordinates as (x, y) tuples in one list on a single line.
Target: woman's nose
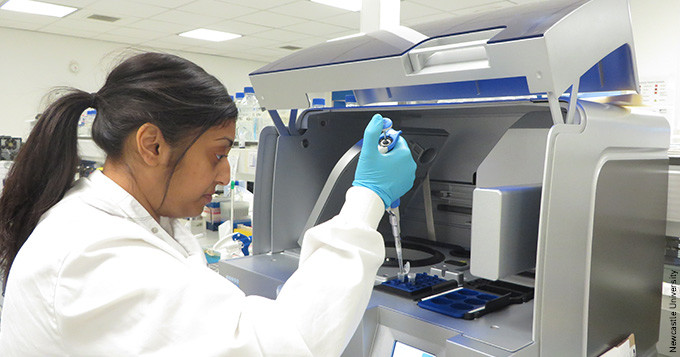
[(223, 176)]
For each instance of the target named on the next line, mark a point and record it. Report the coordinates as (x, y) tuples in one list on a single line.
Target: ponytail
[(41, 174), (174, 94)]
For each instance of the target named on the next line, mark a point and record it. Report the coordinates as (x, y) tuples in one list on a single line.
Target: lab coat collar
[(113, 199)]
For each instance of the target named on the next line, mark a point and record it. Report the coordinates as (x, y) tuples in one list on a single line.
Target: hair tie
[(94, 98)]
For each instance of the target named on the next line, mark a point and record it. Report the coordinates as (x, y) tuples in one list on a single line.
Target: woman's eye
[(220, 156)]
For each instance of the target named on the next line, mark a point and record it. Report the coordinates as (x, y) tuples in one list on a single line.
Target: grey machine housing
[(572, 191)]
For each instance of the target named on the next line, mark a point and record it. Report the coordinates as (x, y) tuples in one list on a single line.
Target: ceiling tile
[(260, 4), (249, 42), (216, 8), (485, 8), (308, 10), (270, 19), (168, 4), (240, 54), (266, 52), (522, 2), (447, 5), (139, 34), (350, 20), (85, 26), (160, 26), (246, 55), (255, 57), (425, 19), (117, 38), (125, 7), (203, 50), (443, 5), (412, 10), (19, 25), (187, 18), (315, 28), (66, 31), (237, 43), (178, 40), (280, 35), (305, 42), (165, 44)]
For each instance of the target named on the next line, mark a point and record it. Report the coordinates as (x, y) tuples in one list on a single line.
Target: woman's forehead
[(220, 132)]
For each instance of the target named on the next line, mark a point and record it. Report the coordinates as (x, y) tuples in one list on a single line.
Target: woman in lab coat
[(104, 266)]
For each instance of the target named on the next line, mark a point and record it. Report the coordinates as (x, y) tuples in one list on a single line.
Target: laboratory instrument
[(551, 205)]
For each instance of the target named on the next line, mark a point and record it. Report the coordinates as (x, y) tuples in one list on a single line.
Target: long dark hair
[(170, 92)]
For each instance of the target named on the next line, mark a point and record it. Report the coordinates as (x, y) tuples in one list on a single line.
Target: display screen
[(403, 350)]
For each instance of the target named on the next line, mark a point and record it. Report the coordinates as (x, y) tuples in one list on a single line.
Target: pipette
[(393, 213), (386, 142)]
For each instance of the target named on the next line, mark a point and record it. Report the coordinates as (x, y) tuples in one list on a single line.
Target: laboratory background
[(538, 224)]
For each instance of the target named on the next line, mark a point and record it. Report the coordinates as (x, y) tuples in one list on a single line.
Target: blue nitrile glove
[(389, 175)]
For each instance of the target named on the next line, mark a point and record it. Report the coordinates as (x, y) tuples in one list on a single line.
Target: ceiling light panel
[(210, 35), (37, 8)]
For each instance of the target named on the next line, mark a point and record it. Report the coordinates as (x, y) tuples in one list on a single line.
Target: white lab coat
[(99, 276)]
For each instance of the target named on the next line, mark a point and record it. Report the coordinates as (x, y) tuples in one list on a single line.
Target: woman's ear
[(151, 145)]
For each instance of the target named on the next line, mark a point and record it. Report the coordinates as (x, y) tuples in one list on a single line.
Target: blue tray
[(464, 303), (423, 285)]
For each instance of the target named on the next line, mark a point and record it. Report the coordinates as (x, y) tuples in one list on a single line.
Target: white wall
[(656, 24), (31, 63)]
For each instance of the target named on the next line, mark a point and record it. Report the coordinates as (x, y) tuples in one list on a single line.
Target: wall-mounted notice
[(659, 96)]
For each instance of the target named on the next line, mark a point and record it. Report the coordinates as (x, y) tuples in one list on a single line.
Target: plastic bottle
[(241, 122), (351, 101), (251, 112), (241, 205), (318, 103)]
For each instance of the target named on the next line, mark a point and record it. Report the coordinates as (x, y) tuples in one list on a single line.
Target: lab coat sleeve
[(128, 298), (144, 302), (339, 260)]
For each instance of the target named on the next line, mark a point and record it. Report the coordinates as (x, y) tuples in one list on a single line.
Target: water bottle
[(251, 109), (260, 117), (240, 130)]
